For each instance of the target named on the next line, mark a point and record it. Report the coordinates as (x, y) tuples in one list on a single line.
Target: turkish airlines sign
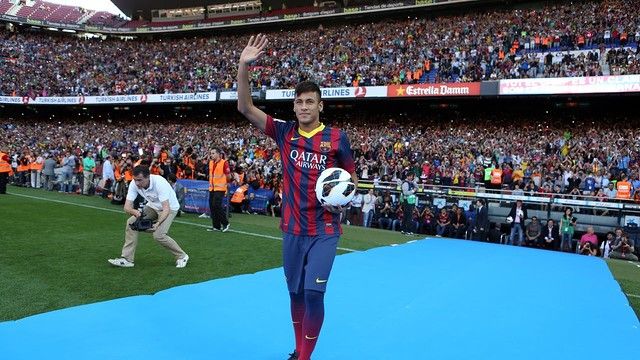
[(434, 90), (575, 85), (111, 99), (333, 93)]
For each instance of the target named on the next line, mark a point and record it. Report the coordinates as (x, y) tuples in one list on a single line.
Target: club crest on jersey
[(325, 146)]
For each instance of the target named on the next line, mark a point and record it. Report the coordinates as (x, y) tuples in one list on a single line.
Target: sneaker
[(180, 263), (120, 262), (226, 228), (204, 216), (212, 229), (293, 355)]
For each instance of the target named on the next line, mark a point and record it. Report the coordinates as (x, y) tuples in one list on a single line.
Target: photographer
[(623, 248), (162, 207), (588, 249)]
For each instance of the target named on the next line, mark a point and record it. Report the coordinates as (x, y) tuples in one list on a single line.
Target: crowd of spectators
[(469, 46), (555, 156)]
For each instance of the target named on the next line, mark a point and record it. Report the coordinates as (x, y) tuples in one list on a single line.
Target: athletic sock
[(297, 317), (312, 323)]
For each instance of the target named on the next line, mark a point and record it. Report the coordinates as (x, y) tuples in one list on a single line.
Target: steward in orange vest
[(5, 171), (623, 188), (496, 177), (219, 176)]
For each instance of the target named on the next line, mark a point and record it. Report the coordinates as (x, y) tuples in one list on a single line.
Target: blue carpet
[(432, 299)]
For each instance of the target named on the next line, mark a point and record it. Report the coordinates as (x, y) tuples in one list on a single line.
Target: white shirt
[(107, 170), (369, 203), (159, 190), (357, 200)]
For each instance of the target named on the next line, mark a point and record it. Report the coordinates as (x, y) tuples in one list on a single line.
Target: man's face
[(307, 107), (215, 156), (141, 181)]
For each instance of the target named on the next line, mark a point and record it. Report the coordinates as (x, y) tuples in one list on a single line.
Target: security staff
[(219, 177), (5, 172)]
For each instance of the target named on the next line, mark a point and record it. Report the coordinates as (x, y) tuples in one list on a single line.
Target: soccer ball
[(334, 187)]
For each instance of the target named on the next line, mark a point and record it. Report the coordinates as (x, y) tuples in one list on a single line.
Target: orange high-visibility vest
[(22, 167), (128, 175), (623, 190), (496, 176), (5, 166), (238, 195), (34, 165), (217, 177)]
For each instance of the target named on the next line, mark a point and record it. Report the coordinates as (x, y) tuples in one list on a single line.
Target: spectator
[(567, 228), (180, 191), (517, 217), (459, 224), (605, 247), (550, 236), (481, 225), (623, 248), (368, 207), (442, 227), (589, 237), (533, 233)]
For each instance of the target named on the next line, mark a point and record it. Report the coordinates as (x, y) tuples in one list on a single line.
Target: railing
[(603, 215)]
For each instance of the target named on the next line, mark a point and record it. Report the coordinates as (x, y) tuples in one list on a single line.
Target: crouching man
[(162, 207)]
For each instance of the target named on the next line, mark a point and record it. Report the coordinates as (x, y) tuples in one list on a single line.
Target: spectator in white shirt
[(368, 208), (356, 209)]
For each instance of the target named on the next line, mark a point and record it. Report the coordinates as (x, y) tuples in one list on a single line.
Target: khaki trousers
[(160, 235), (88, 180)]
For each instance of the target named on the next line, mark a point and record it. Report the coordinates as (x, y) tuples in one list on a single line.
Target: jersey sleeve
[(344, 154), (276, 129), (226, 169)]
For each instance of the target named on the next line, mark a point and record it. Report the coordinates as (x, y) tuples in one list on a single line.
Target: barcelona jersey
[(304, 156)]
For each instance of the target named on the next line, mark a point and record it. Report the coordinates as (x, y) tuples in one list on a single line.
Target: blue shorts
[(307, 261)]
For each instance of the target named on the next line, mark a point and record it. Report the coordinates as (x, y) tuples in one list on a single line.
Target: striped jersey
[(304, 156)]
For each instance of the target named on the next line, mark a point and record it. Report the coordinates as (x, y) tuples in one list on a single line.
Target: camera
[(141, 224)]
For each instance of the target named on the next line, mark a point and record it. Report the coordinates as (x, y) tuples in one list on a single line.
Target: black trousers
[(218, 215), (407, 216), (4, 177)]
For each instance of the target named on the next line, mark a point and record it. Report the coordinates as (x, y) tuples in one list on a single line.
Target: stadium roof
[(144, 7)]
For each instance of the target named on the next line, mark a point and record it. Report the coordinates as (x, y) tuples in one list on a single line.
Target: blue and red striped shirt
[(303, 159)]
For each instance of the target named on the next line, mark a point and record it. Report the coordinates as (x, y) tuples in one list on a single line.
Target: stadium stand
[(501, 44)]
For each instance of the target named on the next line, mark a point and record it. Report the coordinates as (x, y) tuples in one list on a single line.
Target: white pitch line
[(634, 295), (176, 221)]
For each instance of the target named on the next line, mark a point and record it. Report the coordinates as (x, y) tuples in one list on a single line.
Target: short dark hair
[(172, 177), (308, 86), (141, 170)]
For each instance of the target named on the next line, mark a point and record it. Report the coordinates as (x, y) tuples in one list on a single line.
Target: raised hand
[(254, 49)]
